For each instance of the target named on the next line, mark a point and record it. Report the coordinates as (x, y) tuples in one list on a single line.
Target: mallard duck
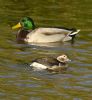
[(29, 33), (51, 64)]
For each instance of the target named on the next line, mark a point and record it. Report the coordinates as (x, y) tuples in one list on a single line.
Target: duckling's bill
[(17, 26)]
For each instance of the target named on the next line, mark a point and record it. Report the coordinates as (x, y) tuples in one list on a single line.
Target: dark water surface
[(17, 81)]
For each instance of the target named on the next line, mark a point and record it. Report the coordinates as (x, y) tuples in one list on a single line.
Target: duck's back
[(50, 61), (45, 35)]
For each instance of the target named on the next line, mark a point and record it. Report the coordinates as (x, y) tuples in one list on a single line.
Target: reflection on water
[(17, 81), (57, 44)]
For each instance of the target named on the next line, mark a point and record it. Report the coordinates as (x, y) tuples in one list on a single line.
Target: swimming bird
[(29, 33), (50, 63)]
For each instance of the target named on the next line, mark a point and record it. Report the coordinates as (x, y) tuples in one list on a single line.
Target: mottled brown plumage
[(50, 63)]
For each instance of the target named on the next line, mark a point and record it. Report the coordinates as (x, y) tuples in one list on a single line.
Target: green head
[(26, 23)]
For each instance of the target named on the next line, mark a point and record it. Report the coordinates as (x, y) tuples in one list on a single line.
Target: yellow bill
[(17, 26)]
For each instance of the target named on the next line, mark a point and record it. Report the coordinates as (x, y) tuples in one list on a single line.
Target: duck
[(28, 32), (52, 64)]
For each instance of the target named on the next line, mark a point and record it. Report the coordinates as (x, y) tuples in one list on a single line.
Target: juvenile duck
[(29, 33), (51, 64)]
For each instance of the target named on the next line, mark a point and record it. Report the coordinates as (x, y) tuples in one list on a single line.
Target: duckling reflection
[(51, 64)]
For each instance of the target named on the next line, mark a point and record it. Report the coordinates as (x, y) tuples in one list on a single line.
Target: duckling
[(29, 33), (51, 64)]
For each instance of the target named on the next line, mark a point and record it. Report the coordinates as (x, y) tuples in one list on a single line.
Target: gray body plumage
[(46, 35)]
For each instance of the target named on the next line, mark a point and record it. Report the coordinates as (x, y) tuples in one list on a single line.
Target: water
[(17, 81)]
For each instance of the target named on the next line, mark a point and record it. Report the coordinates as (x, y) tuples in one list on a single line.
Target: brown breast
[(21, 35)]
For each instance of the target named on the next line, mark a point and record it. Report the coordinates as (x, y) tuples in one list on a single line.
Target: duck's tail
[(71, 34), (74, 32)]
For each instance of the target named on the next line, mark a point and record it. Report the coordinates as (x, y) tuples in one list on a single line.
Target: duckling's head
[(25, 23), (63, 58)]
